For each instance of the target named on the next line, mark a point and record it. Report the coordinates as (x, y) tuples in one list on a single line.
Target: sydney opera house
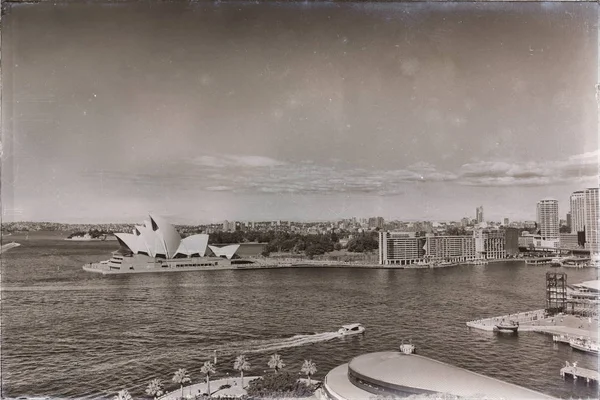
[(156, 246)]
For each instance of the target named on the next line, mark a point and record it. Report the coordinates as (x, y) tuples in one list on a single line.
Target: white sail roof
[(227, 251), (128, 240), (167, 238), (195, 244)]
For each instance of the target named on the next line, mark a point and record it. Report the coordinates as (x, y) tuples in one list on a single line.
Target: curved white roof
[(195, 244), (227, 251), (169, 238), (129, 240)]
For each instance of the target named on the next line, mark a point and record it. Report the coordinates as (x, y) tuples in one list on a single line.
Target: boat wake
[(268, 345)]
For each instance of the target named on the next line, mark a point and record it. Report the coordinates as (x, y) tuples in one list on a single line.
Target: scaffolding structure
[(556, 292)]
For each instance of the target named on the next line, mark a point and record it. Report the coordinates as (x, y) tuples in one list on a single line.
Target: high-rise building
[(505, 221), (569, 221), (465, 222), (547, 218), (591, 219), (577, 203), (479, 214)]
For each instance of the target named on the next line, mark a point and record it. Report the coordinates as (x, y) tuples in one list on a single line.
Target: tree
[(155, 388), (123, 395), (309, 368), (207, 369), (181, 377), (241, 364), (276, 363)]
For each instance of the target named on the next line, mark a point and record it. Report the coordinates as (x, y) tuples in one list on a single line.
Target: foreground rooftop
[(400, 375)]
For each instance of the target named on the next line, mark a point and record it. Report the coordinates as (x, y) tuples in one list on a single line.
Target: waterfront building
[(489, 244), (577, 206), (479, 214), (569, 241), (547, 218), (591, 219), (400, 248), (570, 222), (450, 248), (526, 240), (511, 242), (494, 246)]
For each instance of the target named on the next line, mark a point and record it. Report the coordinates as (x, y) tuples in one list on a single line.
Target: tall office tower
[(479, 214), (577, 202), (591, 219), (569, 221), (505, 221), (547, 218)]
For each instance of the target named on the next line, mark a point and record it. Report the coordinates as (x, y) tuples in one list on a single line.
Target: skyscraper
[(505, 221), (479, 214), (547, 218), (591, 219), (577, 202)]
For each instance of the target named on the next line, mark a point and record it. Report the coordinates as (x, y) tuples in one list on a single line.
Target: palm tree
[(309, 368), (207, 369), (155, 388), (123, 395), (241, 364), (276, 363), (182, 377)]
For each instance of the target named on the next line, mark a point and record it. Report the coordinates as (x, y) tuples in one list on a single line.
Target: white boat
[(585, 345), (351, 329)]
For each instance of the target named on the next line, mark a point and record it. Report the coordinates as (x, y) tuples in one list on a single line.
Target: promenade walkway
[(236, 389)]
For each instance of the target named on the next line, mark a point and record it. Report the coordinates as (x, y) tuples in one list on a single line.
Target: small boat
[(584, 345), (512, 326), (351, 329)]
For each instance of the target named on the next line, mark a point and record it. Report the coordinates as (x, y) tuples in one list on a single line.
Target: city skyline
[(295, 112)]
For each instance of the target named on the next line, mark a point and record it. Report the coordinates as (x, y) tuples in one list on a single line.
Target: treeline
[(290, 242), (94, 233)]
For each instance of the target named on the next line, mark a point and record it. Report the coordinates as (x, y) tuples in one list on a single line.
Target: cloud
[(257, 174), (579, 167)]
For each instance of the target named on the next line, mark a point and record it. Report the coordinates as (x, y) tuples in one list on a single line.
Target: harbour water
[(68, 333)]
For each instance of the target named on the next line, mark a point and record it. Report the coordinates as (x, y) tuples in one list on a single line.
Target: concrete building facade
[(547, 218), (450, 248), (577, 211), (591, 219), (400, 248), (479, 214)]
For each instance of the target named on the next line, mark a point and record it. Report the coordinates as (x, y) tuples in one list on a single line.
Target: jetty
[(576, 372)]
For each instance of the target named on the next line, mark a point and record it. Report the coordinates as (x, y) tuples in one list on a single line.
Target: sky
[(205, 112)]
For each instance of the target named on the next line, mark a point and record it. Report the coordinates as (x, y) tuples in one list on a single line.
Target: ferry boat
[(155, 246), (512, 326), (351, 329), (584, 345)]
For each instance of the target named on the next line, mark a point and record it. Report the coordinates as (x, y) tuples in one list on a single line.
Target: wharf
[(579, 373), (561, 327)]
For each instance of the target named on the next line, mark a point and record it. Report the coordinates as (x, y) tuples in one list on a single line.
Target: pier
[(576, 372)]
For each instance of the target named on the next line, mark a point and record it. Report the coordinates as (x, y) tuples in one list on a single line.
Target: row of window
[(195, 265)]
